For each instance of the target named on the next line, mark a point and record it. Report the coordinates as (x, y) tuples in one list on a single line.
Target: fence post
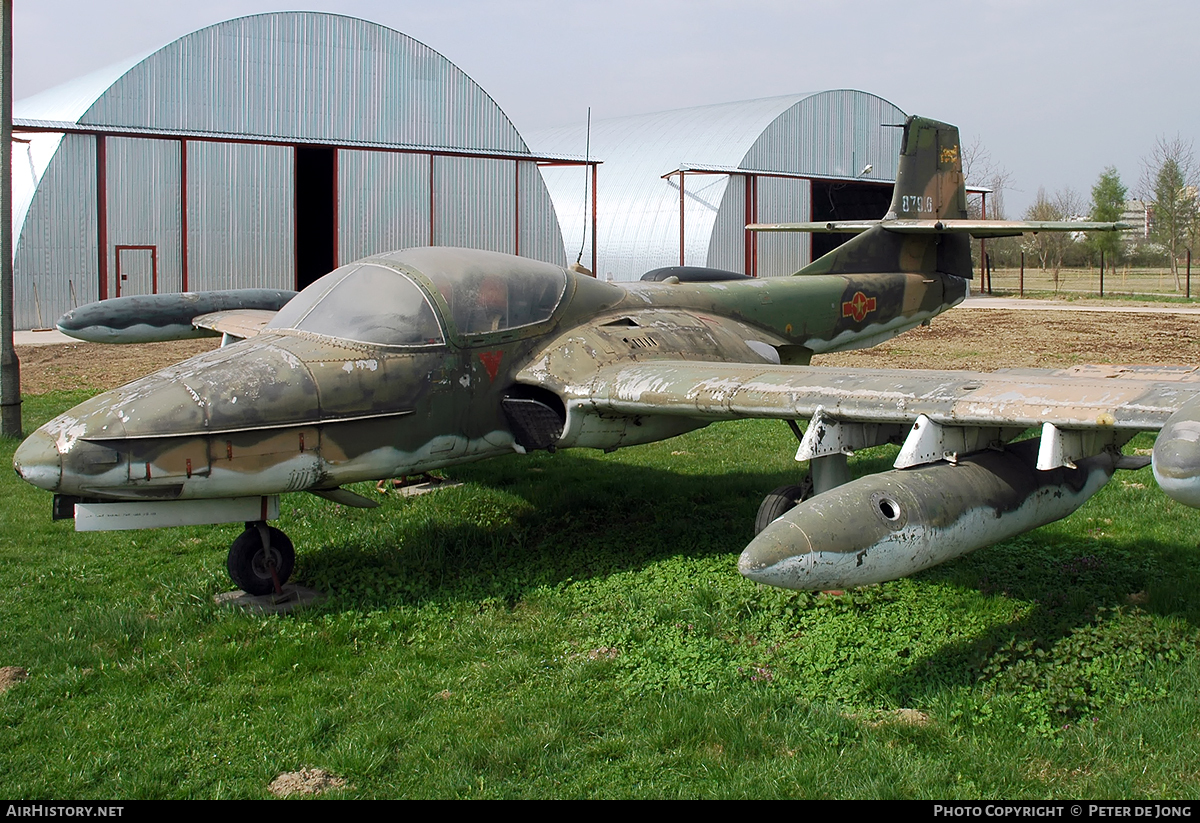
[(1021, 279), (1101, 272), (1188, 293)]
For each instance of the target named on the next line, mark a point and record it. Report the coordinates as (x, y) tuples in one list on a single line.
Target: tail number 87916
[(918, 203)]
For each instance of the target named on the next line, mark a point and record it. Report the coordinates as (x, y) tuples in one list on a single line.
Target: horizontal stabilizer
[(836, 227), (976, 228)]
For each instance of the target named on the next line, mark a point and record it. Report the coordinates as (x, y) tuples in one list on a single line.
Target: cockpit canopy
[(378, 300), (365, 303)]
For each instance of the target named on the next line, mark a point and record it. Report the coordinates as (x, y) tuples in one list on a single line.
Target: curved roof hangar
[(212, 161), (748, 161)]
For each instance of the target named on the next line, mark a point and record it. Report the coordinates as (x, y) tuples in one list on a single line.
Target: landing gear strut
[(261, 559), (783, 499)]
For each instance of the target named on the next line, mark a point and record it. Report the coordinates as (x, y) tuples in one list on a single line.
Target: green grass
[(573, 625)]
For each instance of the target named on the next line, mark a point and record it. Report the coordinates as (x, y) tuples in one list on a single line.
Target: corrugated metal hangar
[(678, 187), (262, 152)]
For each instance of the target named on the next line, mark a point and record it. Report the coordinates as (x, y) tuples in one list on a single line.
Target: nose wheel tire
[(780, 501), (261, 559)]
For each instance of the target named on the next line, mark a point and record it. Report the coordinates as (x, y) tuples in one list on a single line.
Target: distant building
[(262, 152), (1137, 214)]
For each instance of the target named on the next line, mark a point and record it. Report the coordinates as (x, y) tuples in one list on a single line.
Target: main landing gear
[(261, 559), (828, 469), (780, 501)]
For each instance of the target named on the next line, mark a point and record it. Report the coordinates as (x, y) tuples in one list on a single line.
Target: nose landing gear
[(261, 559)]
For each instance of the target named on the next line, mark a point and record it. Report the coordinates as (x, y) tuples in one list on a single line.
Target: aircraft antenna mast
[(587, 155)]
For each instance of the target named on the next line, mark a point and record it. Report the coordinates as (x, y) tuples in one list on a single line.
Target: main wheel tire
[(250, 565), (780, 501)]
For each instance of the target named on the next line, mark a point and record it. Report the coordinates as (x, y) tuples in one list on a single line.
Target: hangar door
[(241, 216), (845, 200), (143, 216)]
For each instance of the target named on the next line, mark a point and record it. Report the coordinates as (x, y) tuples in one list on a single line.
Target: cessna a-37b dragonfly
[(425, 358)]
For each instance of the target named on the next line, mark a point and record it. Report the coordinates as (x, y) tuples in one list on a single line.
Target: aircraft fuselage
[(289, 411)]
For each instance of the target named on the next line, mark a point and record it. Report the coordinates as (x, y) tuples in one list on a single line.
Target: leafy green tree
[(1169, 184), (1108, 203)]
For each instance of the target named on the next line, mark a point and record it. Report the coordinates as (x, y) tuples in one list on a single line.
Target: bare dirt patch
[(894, 717), (11, 676), (99, 365), (305, 781), (987, 339), (909, 717), (976, 339)]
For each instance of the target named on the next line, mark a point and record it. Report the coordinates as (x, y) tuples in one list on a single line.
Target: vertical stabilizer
[(929, 181), (929, 186)]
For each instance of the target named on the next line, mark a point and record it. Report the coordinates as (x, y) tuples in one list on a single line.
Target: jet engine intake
[(535, 416)]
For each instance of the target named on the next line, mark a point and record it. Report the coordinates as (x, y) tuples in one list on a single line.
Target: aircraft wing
[(240, 323), (1081, 410)]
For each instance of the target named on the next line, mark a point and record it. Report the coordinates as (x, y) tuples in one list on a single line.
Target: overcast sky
[(1055, 91)]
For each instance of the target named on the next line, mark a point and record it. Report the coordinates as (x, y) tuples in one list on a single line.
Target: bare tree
[(1050, 247), (979, 169), (1170, 178)]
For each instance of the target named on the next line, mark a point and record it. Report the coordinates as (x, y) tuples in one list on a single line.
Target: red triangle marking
[(491, 361)]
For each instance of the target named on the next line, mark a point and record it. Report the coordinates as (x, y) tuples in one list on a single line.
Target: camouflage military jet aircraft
[(425, 358)]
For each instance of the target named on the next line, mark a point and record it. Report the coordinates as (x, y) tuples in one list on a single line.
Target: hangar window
[(364, 303)]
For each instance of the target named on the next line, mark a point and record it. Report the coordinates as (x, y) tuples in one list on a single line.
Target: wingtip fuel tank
[(148, 318), (1176, 456), (896, 523)]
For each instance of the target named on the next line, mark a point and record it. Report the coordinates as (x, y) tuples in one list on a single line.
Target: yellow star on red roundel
[(858, 307)]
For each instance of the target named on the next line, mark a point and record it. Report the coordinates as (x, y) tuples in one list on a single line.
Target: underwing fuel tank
[(892, 524)]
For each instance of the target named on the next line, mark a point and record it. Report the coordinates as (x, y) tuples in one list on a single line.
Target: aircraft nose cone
[(38, 461)]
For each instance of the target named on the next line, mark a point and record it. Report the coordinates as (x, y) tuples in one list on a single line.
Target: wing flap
[(717, 391)]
